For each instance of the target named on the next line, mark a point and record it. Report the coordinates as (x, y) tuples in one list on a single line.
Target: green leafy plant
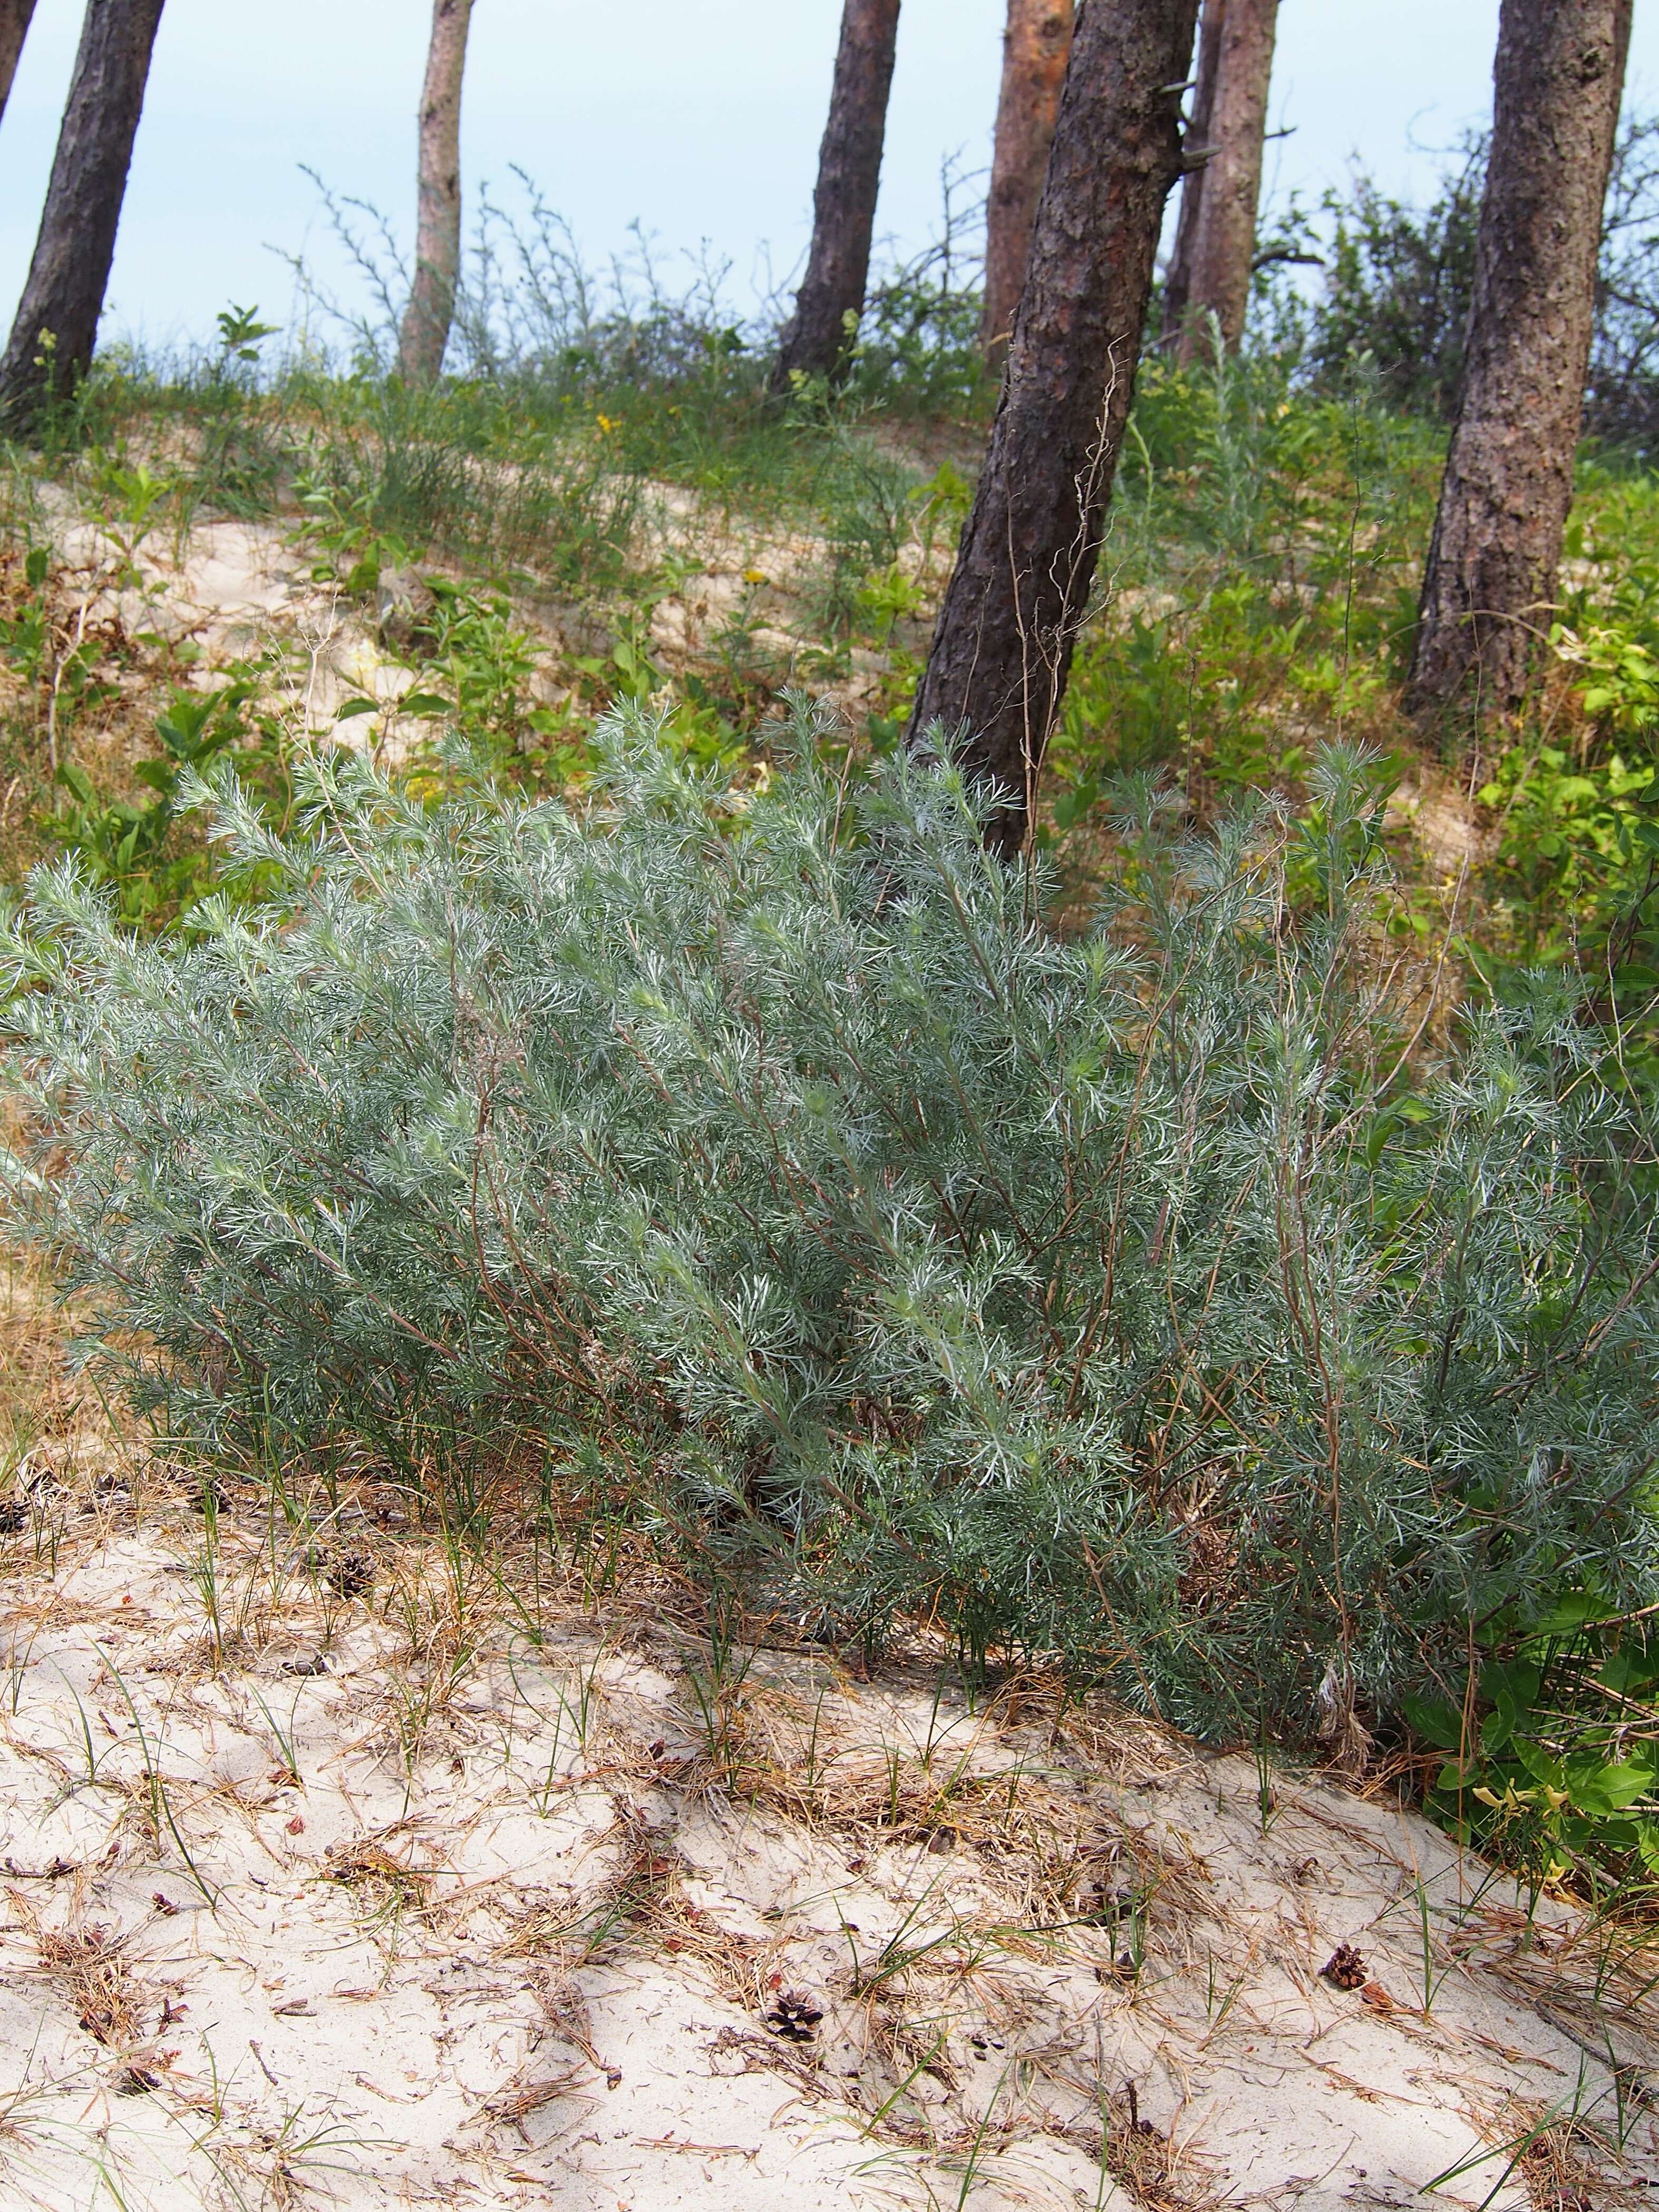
[(1577, 857), (131, 847), (240, 334), (1622, 693), (133, 498), (1553, 1757), (25, 628), (352, 551)]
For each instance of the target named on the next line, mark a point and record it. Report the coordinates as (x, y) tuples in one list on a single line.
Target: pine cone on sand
[(1345, 1968), (795, 2015)]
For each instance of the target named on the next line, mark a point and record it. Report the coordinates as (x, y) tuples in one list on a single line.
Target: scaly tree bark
[(1195, 161), (1025, 567), (52, 338), (1490, 580), (1035, 47), (14, 18), (818, 340), (424, 337), (1223, 231)]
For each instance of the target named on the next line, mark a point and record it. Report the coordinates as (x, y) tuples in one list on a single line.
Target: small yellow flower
[(754, 575), (1513, 1801), (604, 424)]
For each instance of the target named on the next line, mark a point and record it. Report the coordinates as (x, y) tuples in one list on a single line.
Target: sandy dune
[(338, 1866)]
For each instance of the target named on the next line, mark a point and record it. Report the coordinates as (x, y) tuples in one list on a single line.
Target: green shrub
[(1399, 285), (1576, 858), (748, 1164), (133, 849), (1264, 559), (1552, 1761)]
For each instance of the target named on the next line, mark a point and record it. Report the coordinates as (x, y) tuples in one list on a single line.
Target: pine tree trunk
[(1025, 567), (14, 18), (819, 338), (1490, 578), (1034, 47), (1195, 152), (1223, 233), (425, 335), (52, 338)]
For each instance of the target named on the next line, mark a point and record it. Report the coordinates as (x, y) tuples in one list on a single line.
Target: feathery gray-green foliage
[(757, 1168)]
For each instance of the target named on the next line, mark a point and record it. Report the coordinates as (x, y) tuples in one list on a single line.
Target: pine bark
[(55, 329), (14, 18), (1035, 47), (818, 340), (424, 337), (1489, 583), (1195, 159), (1025, 567), (1223, 231)]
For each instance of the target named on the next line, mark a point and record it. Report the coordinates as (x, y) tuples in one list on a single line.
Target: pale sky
[(699, 117)]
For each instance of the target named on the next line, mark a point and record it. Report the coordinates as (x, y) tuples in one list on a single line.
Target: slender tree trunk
[(1034, 47), (1025, 567), (1196, 150), (1490, 580), (52, 338), (14, 18), (425, 335), (818, 340), (1223, 231)]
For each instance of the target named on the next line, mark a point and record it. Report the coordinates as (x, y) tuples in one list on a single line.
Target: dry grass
[(1558, 2174), (1155, 2170), (90, 1968), (1564, 2163), (368, 1865), (59, 1438)]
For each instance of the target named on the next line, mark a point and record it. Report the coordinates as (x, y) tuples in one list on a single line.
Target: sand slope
[(338, 1866)]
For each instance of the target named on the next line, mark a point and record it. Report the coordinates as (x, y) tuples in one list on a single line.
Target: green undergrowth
[(822, 1358), (1550, 1761), (746, 1168), (1572, 792), (541, 466), (1263, 555)]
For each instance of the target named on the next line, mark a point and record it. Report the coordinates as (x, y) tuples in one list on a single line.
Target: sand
[(339, 1867)]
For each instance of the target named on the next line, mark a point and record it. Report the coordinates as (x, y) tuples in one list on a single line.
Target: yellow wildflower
[(1513, 1801)]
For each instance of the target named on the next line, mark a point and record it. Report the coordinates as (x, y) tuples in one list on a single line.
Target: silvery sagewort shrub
[(757, 1169)]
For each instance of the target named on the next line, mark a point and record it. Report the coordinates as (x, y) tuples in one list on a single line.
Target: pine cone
[(350, 1573), (795, 2015), (1345, 1968)]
